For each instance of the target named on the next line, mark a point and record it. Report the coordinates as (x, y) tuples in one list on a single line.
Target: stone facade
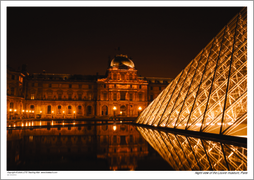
[(68, 96)]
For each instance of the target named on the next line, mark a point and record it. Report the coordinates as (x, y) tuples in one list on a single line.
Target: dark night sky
[(78, 40)]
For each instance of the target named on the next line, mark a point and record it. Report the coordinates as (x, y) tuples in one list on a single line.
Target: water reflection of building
[(116, 148), (189, 153), (52, 95), (122, 145)]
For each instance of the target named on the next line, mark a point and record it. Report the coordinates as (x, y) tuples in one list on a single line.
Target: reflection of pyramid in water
[(190, 153), (210, 94)]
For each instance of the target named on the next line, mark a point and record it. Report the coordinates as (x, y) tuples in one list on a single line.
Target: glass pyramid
[(210, 94)]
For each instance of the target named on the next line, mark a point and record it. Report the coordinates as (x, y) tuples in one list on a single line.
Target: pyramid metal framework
[(210, 94), (189, 153)]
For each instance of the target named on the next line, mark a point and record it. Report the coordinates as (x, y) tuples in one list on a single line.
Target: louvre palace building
[(120, 93)]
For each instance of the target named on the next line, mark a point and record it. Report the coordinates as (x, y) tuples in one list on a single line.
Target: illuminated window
[(59, 109), (32, 96), (20, 79)]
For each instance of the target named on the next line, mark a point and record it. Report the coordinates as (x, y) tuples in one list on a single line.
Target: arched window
[(49, 109), (69, 109), (59, 109), (104, 111), (32, 107)]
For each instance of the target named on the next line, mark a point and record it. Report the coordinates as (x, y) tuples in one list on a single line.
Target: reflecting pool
[(102, 145), (79, 145)]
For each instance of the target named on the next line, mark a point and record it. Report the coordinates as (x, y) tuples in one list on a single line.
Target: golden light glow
[(29, 124), (139, 108), (114, 127), (15, 110), (29, 110), (22, 124), (63, 111), (26, 110), (14, 125), (10, 110), (121, 112), (114, 108), (197, 158), (40, 111), (210, 94), (32, 123), (23, 110), (26, 123), (52, 111), (32, 111), (40, 123), (74, 112)]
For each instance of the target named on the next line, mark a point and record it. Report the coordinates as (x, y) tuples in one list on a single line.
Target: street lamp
[(121, 113), (139, 109), (114, 109), (10, 113)]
